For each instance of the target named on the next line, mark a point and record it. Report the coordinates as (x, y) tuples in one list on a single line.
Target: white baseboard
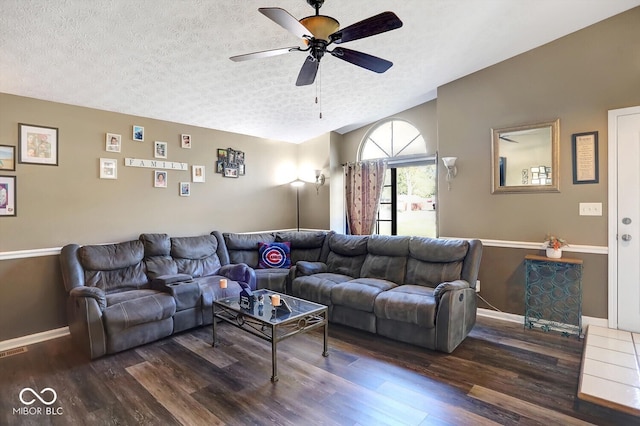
[(33, 338)]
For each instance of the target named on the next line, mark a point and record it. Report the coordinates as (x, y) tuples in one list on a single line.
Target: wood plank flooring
[(501, 374)]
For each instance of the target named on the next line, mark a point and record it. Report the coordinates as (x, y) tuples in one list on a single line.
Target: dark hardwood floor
[(501, 374)]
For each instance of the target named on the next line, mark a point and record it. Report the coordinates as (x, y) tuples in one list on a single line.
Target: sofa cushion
[(433, 261), (114, 267), (347, 254), (317, 288), (408, 304), (274, 279), (156, 244), (140, 310), (243, 248), (196, 256), (360, 294), (386, 258), (274, 255), (305, 245)]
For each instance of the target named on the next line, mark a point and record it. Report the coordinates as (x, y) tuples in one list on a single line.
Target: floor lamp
[(297, 184)]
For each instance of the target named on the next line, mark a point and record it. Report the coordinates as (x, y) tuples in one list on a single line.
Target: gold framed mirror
[(526, 158)]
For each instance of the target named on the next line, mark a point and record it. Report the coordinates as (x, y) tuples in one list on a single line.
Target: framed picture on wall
[(7, 195), (185, 189), (138, 133), (38, 144), (113, 142), (185, 141), (108, 168), (584, 151), (159, 179), (197, 173), (160, 149), (7, 157), (231, 172)]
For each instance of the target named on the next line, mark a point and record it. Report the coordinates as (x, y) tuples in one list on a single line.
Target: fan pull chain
[(319, 90)]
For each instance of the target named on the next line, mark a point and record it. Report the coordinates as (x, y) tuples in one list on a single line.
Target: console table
[(553, 294)]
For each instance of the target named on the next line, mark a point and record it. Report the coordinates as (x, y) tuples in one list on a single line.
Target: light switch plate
[(590, 209)]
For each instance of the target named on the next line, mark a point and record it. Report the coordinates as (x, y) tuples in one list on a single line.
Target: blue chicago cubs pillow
[(274, 255)]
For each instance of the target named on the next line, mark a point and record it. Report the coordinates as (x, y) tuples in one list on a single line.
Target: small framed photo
[(584, 153), (222, 154), (7, 157), (138, 133), (241, 169), (7, 195), (185, 189), (160, 149), (159, 179), (535, 169), (220, 166), (108, 168), (240, 157), (185, 141), (113, 142), (197, 173), (231, 172), (38, 144)]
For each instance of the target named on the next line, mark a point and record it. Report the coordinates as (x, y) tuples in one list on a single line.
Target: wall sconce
[(452, 170), (320, 179)]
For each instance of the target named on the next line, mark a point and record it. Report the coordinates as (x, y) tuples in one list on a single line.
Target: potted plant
[(554, 246)]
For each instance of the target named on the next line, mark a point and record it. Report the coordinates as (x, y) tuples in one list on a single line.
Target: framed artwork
[(185, 141), (7, 157), (241, 169), (38, 144), (160, 149), (220, 166), (113, 142), (584, 152), (108, 168), (138, 133), (222, 154), (197, 173), (230, 172), (159, 179), (7, 195), (185, 189)]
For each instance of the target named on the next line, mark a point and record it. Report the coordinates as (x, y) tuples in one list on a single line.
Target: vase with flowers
[(553, 246)]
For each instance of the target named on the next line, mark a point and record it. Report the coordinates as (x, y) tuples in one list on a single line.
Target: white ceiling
[(169, 59)]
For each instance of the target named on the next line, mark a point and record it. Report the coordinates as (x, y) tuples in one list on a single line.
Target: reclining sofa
[(131, 293), (413, 289)]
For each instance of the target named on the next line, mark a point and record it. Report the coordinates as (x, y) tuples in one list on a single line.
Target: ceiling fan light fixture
[(321, 26)]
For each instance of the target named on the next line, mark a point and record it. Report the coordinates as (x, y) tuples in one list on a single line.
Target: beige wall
[(68, 203), (577, 79), (314, 204)]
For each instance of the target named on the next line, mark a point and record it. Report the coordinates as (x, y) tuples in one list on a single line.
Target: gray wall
[(577, 79), (69, 203)]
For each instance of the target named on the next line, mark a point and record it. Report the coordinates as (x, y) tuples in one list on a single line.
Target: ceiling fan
[(319, 32)]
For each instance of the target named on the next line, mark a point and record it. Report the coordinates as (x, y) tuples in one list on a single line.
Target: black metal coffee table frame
[(272, 324)]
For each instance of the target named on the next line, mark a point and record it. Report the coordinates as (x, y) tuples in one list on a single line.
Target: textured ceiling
[(169, 59)]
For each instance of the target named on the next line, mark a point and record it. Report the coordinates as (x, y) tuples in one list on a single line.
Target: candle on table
[(275, 299), (223, 283)]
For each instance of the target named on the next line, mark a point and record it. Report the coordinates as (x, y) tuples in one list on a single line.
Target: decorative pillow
[(274, 255)]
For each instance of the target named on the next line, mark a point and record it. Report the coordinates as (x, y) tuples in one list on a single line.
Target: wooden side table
[(553, 294)]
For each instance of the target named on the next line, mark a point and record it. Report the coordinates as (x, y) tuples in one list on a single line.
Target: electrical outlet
[(477, 286), (590, 209)]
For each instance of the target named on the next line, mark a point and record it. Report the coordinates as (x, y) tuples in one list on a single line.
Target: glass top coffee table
[(270, 323)]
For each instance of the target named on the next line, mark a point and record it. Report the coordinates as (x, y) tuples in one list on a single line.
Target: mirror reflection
[(525, 158)]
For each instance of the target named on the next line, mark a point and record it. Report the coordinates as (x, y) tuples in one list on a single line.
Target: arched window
[(408, 202)]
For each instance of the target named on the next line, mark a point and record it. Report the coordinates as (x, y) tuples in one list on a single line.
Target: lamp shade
[(449, 161), (297, 182), (320, 26)]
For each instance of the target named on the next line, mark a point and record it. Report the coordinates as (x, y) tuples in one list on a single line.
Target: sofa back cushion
[(346, 254), (243, 248), (196, 256), (157, 255), (433, 261), (386, 258), (305, 245), (114, 267)]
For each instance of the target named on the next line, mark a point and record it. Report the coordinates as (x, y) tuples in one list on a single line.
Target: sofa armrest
[(91, 292), (449, 286), (240, 272), (304, 267)]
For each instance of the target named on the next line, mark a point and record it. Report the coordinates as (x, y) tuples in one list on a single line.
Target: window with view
[(408, 205)]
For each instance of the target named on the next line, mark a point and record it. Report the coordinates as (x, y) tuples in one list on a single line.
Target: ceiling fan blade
[(308, 72), (263, 54), (383, 22), (364, 60), (285, 20)]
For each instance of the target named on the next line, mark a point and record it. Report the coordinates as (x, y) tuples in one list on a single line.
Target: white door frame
[(613, 210)]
